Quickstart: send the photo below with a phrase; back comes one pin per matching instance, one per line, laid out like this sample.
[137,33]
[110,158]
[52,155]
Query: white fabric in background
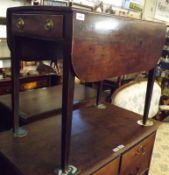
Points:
[132,98]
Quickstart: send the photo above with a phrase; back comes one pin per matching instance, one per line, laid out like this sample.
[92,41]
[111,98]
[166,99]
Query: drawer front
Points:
[136,161]
[109,169]
[49,26]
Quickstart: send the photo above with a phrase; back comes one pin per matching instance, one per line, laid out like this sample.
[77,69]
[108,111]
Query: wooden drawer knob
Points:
[20,23]
[141,150]
[49,25]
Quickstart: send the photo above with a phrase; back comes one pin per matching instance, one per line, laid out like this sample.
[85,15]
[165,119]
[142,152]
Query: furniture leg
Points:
[99,92]
[150,84]
[18,132]
[99,95]
[67,107]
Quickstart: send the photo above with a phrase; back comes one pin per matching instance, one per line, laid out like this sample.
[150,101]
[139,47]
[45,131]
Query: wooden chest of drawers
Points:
[94,138]
[134,161]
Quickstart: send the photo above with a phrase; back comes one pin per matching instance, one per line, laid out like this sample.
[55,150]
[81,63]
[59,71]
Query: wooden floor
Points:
[39,103]
[95,133]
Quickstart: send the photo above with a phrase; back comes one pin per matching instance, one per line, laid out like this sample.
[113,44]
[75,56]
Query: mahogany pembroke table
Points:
[93,47]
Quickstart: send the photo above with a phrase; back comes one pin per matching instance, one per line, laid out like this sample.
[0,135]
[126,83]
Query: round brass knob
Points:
[141,150]
[20,23]
[49,25]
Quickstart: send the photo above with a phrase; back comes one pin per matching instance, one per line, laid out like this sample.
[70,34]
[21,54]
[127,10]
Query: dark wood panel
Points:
[95,133]
[110,169]
[137,160]
[114,45]
[36,103]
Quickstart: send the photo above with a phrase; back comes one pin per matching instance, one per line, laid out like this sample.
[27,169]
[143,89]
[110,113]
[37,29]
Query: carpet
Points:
[160,157]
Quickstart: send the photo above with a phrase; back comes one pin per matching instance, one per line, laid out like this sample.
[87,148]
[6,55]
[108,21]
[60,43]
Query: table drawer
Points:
[110,168]
[136,160]
[48,26]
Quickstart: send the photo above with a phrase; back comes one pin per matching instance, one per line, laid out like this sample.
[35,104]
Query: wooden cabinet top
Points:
[95,133]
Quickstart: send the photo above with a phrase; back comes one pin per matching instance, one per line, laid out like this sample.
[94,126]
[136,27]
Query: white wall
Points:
[149,10]
[4,4]
[4,51]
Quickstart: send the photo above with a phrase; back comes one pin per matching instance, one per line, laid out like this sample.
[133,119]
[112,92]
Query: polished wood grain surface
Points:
[94,134]
[36,103]
[114,45]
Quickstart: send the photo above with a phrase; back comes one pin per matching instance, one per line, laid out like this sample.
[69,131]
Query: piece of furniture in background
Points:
[163,78]
[131,96]
[110,85]
[164,61]
[30,77]
[30,82]
[43,102]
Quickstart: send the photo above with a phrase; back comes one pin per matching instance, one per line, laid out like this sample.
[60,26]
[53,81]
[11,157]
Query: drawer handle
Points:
[20,23]
[135,172]
[49,25]
[141,150]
